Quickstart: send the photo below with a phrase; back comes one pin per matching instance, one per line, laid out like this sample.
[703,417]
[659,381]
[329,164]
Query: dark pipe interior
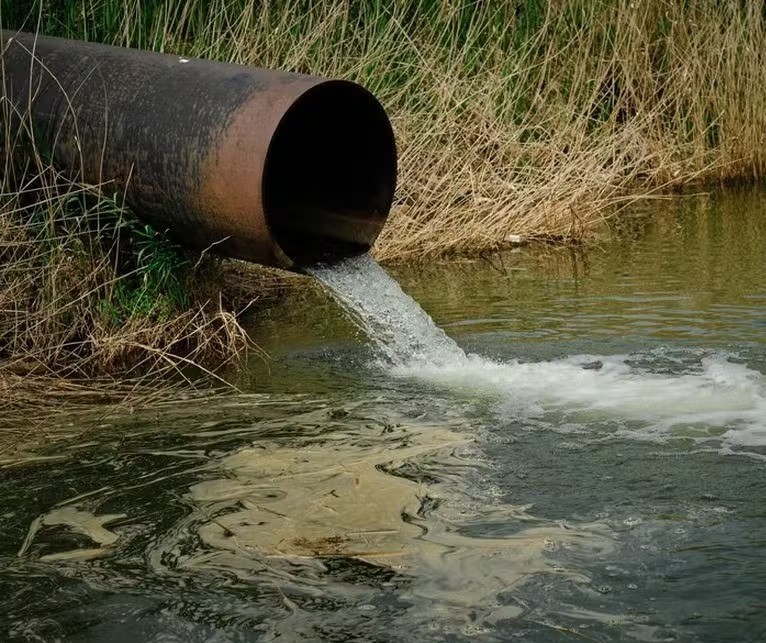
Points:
[330,174]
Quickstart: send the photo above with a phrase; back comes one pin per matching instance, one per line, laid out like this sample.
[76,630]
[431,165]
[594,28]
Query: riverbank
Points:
[525,118]
[95,306]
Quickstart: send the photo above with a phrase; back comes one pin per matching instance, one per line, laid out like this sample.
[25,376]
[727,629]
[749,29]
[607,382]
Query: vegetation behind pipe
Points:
[526,117]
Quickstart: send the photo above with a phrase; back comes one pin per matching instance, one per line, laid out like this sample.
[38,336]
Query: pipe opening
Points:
[330,174]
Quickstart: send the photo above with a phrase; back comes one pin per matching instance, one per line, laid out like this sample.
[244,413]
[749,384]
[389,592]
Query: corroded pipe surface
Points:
[277,168]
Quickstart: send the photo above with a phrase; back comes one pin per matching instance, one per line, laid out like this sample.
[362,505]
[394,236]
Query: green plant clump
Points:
[88,291]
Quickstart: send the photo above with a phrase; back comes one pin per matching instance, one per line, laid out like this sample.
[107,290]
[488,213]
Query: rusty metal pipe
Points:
[273,167]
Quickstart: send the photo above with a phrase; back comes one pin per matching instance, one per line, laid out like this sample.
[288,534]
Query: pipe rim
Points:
[329,175]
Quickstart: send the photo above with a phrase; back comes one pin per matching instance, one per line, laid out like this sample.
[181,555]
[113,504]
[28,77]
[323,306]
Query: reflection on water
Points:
[345,497]
[592,470]
[77,521]
[692,274]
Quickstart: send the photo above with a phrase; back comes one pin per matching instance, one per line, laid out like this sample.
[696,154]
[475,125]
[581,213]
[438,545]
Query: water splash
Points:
[717,399]
[714,392]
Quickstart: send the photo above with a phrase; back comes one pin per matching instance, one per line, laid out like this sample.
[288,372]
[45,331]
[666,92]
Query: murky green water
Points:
[596,471]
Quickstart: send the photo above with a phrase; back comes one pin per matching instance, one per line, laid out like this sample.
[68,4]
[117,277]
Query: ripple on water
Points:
[338,515]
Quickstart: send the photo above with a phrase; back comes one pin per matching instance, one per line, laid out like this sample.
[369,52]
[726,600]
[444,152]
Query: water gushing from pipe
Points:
[401,332]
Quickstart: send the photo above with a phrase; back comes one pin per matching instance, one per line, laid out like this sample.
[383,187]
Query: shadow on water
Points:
[590,469]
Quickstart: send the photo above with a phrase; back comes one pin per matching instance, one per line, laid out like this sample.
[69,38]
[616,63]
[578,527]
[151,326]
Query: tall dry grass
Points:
[514,117]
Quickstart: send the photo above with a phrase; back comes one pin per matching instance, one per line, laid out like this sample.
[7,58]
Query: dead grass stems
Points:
[530,118]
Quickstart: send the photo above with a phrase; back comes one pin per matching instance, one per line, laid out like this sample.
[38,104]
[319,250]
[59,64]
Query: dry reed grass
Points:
[524,117]
[520,117]
[546,139]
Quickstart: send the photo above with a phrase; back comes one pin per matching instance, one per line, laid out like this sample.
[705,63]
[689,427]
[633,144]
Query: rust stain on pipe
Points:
[273,167]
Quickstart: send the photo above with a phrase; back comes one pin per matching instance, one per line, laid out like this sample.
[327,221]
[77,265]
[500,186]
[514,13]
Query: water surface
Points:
[586,462]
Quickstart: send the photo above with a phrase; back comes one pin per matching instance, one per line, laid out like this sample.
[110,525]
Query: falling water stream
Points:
[399,329]
[574,449]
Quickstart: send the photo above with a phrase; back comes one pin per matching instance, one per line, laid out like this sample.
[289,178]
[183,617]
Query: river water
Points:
[586,461]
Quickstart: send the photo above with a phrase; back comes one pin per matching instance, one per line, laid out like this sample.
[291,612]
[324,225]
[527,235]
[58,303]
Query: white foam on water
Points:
[722,395]
[719,399]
